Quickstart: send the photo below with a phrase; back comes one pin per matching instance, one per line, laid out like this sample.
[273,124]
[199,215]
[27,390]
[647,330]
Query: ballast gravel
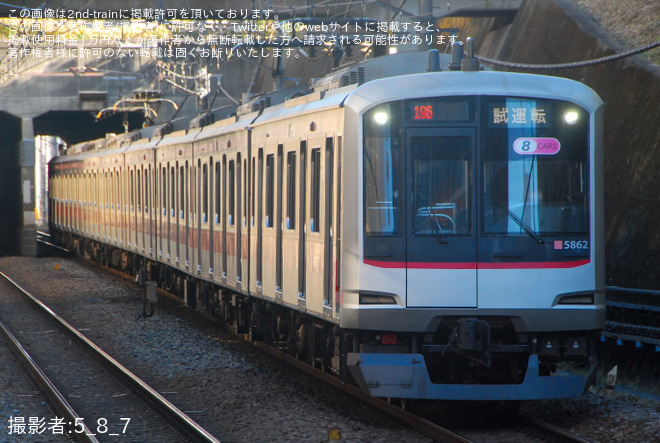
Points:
[241,395]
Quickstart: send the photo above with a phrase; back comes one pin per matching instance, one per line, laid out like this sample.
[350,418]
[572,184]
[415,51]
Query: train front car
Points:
[478,248]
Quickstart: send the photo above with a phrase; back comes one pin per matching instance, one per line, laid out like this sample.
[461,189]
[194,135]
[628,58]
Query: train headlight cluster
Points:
[381,118]
[571,117]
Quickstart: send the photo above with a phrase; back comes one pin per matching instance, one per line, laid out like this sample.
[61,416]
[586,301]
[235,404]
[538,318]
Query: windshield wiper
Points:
[521,223]
[434,220]
[437,227]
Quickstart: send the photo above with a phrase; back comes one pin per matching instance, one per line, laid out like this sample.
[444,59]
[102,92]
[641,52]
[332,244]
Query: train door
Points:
[260,214]
[302,211]
[173,236]
[252,219]
[180,224]
[208,213]
[328,276]
[201,183]
[132,226]
[162,213]
[225,217]
[114,206]
[149,203]
[191,218]
[217,226]
[290,223]
[139,224]
[315,227]
[239,220]
[245,216]
[441,252]
[278,221]
[125,205]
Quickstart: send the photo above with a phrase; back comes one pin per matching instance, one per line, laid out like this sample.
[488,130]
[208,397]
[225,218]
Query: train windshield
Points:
[499,166]
[382,164]
[535,168]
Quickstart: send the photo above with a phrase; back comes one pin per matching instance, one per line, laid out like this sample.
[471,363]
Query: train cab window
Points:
[315,191]
[381,170]
[441,177]
[535,167]
[291,190]
[270,189]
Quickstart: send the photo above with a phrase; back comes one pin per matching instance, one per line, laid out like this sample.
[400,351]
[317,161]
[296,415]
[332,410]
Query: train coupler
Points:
[471,339]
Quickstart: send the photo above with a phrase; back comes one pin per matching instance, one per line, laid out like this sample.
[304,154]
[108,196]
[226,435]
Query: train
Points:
[424,231]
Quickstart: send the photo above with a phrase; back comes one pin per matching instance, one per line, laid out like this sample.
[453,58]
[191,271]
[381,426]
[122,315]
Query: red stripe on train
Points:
[439,265]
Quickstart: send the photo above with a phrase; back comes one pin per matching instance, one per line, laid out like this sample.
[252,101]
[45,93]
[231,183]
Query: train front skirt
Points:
[406,376]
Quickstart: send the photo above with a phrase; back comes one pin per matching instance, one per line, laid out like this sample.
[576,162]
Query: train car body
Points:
[437,235]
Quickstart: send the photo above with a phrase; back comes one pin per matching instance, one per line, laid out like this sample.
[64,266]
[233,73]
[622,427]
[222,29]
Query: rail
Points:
[56,399]
[184,423]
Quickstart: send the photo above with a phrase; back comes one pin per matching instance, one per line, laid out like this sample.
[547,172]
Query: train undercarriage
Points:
[461,360]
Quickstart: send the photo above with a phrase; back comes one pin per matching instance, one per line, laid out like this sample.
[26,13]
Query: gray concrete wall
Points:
[11,221]
[554,31]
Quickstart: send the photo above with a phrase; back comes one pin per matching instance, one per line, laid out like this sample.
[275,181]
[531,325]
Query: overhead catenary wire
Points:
[570,65]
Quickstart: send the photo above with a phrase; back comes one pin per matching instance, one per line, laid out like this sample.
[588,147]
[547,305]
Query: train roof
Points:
[461,83]
[359,86]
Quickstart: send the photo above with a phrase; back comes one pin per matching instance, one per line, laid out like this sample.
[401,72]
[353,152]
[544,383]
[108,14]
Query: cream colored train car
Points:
[431,235]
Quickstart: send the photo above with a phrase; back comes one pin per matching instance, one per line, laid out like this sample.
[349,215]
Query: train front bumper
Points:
[406,376]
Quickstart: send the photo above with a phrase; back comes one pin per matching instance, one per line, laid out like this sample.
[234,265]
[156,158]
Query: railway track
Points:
[515,427]
[46,247]
[93,396]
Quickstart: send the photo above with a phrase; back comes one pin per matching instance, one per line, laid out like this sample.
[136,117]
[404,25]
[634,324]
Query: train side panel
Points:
[416,241]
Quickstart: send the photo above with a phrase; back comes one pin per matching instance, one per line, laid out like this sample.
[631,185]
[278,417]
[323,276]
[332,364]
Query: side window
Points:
[205,192]
[217,193]
[132,191]
[118,194]
[244,192]
[253,193]
[182,192]
[163,197]
[270,191]
[291,190]
[138,188]
[315,188]
[172,191]
[147,189]
[231,191]
[193,187]
[381,171]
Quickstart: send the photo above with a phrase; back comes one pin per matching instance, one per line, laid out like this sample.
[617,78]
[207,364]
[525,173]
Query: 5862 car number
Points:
[572,245]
